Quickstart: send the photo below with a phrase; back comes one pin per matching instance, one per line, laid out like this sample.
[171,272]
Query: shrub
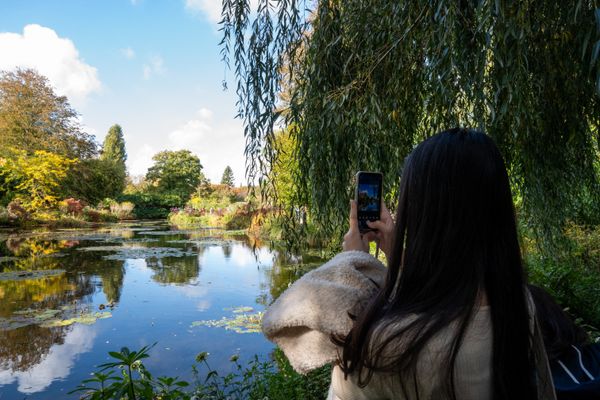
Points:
[4,217]
[149,205]
[239,217]
[71,206]
[17,211]
[572,276]
[126,377]
[89,214]
[122,210]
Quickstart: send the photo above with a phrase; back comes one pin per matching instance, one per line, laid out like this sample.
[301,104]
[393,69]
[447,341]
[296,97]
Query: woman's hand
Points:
[353,240]
[385,230]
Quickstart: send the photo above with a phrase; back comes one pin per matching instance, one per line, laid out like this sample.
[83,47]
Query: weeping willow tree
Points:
[361,82]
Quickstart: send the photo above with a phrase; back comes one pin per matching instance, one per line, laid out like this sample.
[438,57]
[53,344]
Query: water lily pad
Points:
[149,252]
[204,242]
[163,233]
[110,248]
[23,275]
[87,319]
[239,323]
[48,318]
[241,309]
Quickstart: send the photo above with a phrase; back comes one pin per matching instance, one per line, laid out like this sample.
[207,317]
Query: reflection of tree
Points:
[286,269]
[17,295]
[226,251]
[110,272]
[176,270]
[33,253]
[112,282]
[26,346]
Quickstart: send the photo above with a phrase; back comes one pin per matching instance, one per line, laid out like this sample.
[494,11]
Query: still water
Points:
[134,284]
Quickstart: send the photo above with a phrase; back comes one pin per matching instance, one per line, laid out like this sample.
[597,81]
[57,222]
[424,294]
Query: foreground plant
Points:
[127,378]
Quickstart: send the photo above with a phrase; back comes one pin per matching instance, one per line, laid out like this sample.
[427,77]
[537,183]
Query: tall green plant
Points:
[227,178]
[113,152]
[177,173]
[366,81]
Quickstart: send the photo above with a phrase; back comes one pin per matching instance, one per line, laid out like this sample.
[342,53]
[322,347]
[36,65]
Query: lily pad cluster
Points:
[22,275]
[48,318]
[129,252]
[244,320]
[204,242]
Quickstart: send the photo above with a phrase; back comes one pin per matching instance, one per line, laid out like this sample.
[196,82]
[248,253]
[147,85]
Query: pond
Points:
[67,297]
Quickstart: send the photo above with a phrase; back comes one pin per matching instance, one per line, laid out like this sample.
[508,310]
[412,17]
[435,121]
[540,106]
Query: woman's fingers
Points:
[385,213]
[371,236]
[378,225]
[353,215]
[353,239]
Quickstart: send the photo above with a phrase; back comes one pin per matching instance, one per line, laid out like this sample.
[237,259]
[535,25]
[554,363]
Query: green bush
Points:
[4,217]
[149,205]
[572,275]
[238,216]
[124,210]
[126,377]
[92,215]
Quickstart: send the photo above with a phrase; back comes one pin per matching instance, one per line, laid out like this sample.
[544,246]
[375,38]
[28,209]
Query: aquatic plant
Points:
[128,378]
[243,321]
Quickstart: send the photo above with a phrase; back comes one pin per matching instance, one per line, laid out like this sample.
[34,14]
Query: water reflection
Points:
[155,281]
[170,270]
[55,363]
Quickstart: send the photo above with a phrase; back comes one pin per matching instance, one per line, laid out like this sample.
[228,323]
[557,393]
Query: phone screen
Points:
[368,197]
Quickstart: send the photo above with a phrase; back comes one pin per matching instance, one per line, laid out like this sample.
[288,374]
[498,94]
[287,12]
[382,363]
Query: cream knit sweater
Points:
[303,318]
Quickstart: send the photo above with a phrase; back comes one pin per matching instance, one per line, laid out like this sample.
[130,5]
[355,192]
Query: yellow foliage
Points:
[38,176]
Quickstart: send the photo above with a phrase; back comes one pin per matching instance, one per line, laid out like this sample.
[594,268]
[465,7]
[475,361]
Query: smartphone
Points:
[368,198]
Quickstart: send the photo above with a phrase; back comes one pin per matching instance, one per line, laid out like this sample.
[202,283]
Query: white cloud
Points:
[193,133]
[128,53]
[140,160]
[55,57]
[55,365]
[217,143]
[155,66]
[211,8]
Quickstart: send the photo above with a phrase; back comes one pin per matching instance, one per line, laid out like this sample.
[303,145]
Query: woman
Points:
[451,319]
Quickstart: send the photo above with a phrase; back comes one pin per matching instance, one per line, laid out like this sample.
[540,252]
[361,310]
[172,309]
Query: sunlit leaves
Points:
[37,177]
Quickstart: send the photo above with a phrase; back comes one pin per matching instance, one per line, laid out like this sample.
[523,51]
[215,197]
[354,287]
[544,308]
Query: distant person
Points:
[450,318]
[575,362]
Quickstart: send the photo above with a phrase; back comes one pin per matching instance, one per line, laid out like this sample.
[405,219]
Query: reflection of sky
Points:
[56,365]
[149,311]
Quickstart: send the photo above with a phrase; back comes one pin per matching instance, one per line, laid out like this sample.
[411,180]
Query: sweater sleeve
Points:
[303,318]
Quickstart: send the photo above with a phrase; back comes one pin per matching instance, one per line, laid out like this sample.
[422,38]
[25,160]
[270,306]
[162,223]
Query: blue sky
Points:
[152,66]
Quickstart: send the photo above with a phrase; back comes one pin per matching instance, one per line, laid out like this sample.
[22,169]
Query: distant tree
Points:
[37,178]
[176,173]
[113,147]
[33,117]
[94,179]
[113,152]
[227,178]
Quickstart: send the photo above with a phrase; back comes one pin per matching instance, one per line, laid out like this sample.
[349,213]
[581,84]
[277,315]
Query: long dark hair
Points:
[455,240]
